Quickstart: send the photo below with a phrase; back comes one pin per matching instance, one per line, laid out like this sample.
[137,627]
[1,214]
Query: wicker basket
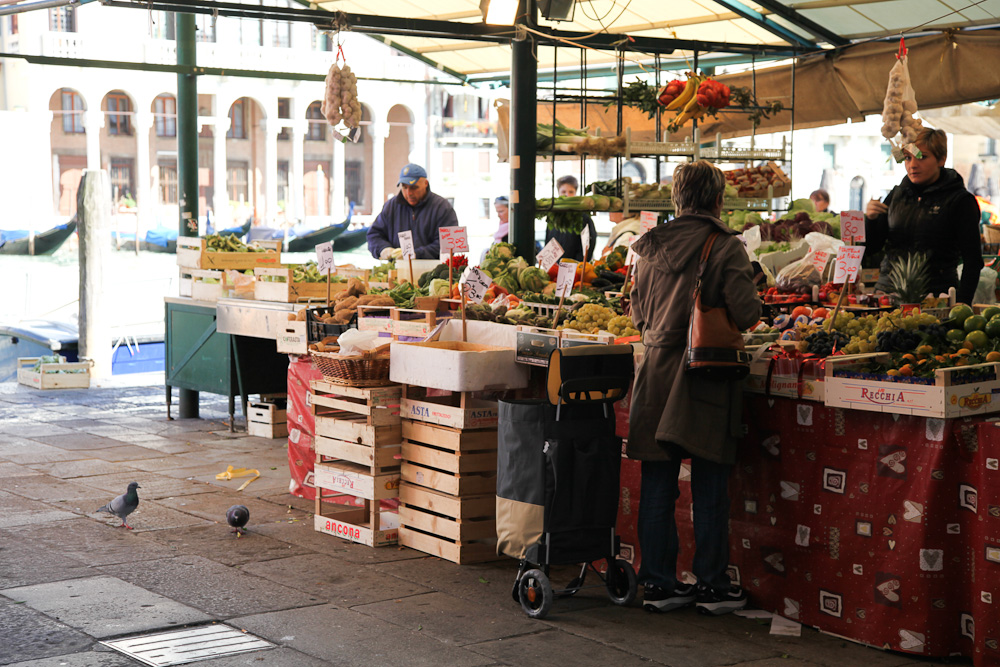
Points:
[370,369]
[991,233]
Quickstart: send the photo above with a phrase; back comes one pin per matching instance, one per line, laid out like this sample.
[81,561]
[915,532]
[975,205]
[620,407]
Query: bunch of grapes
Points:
[899,340]
[590,318]
[824,343]
[622,325]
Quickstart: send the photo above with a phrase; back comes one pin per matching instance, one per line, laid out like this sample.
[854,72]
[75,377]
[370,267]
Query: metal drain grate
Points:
[183,646]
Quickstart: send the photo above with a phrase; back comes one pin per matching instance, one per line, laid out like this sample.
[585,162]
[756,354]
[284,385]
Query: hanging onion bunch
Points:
[341,100]
[898,109]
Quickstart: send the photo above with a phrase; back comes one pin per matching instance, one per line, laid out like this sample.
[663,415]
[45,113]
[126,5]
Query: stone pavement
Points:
[69,578]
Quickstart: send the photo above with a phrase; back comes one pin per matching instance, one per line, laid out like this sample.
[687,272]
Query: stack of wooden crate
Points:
[448,490]
[358,434]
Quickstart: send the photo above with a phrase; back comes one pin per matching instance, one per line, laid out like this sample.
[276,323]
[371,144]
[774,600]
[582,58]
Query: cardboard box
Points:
[456,366]
[951,395]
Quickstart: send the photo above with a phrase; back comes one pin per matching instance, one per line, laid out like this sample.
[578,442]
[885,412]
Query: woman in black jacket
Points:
[931,212]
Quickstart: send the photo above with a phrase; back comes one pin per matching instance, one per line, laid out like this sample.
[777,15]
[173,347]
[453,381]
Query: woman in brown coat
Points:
[676,415]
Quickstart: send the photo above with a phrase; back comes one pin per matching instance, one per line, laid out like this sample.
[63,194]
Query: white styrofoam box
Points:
[775,261]
[420,267]
[484,333]
[456,366]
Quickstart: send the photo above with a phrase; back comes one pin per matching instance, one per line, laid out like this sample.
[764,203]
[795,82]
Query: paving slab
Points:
[36,452]
[348,639]
[213,506]
[194,456]
[105,606]
[121,452]
[93,658]
[663,638]
[75,440]
[15,470]
[153,487]
[18,511]
[344,584]
[276,657]
[826,650]
[212,588]
[90,542]
[79,423]
[551,648]
[451,620]
[150,516]
[115,431]
[45,488]
[216,542]
[23,564]
[26,634]
[82,468]
[35,430]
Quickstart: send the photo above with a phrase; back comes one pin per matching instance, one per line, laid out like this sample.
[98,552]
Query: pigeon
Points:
[124,504]
[238,516]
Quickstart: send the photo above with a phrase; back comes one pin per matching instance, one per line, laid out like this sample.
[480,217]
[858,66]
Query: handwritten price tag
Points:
[848,263]
[647,220]
[475,283]
[324,256]
[550,254]
[406,245]
[852,226]
[565,278]
[585,240]
[454,239]
[820,258]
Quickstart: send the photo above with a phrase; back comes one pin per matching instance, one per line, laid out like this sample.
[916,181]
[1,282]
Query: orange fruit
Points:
[892,371]
[961,362]
[961,353]
[993,356]
[906,370]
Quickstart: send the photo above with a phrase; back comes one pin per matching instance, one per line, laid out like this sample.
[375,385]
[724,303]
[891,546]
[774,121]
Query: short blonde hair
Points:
[935,141]
[697,186]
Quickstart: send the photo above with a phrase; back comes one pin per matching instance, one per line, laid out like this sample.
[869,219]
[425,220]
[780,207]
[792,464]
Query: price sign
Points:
[585,239]
[324,256]
[820,258]
[565,278]
[647,220]
[475,283]
[454,239]
[848,263]
[550,254]
[852,226]
[632,256]
[406,245]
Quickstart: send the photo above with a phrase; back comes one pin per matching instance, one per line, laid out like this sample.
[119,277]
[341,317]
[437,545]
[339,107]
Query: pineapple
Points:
[908,277]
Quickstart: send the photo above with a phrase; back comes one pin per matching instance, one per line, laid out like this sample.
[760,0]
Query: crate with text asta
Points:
[358,435]
[447,491]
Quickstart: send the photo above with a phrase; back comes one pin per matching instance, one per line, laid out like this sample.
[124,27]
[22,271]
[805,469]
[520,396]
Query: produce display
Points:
[304,273]
[754,181]
[800,219]
[559,137]
[341,100]
[230,243]
[380,274]
[568,214]
[693,99]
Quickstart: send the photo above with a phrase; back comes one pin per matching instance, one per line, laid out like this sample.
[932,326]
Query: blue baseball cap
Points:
[411,174]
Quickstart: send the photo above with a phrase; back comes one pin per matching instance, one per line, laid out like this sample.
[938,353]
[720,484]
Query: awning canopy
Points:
[804,25]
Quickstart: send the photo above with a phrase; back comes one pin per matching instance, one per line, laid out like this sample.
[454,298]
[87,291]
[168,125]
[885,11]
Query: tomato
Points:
[821,312]
[801,310]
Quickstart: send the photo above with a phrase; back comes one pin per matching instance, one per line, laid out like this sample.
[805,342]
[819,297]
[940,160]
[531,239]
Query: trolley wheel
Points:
[622,583]
[535,593]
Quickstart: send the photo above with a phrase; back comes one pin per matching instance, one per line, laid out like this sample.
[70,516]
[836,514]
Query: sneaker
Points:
[716,603]
[655,598]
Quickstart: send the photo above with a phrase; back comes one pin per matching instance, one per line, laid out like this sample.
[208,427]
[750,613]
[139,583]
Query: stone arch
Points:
[245,155]
[398,144]
[69,145]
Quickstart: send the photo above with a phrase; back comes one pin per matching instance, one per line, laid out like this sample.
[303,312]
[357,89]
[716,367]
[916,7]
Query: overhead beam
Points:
[759,19]
[797,19]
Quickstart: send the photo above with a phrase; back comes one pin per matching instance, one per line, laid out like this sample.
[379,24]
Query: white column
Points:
[338,207]
[271,130]
[220,198]
[145,196]
[296,177]
[418,145]
[93,120]
[378,131]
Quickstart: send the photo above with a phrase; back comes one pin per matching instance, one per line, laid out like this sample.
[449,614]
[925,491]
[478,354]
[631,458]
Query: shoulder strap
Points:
[705,252]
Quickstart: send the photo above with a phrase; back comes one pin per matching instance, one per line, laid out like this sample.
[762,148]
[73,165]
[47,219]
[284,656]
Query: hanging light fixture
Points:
[557,10]
[498,12]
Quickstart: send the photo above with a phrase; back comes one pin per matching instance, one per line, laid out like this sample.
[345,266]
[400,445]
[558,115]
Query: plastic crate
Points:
[317,330]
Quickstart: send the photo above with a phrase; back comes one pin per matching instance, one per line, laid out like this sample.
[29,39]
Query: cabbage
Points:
[533,279]
[506,281]
[439,287]
[492,265]
[802,205]
[516,266]
[503,251]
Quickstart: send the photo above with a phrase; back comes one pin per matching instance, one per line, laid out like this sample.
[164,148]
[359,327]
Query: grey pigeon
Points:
[124,504]
[238,516]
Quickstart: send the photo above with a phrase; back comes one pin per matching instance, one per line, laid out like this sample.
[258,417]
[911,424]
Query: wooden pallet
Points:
[461,530]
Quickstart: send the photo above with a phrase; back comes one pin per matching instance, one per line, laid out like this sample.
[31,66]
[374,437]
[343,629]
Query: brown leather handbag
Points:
[715,347]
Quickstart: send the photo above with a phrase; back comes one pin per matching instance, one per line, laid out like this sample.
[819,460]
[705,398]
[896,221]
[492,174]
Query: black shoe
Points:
[716,603]
[655,598]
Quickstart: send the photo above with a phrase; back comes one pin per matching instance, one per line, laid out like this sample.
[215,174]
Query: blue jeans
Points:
[658,527]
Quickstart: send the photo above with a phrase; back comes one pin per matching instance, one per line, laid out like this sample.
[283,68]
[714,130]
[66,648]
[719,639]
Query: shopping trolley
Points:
[558,466]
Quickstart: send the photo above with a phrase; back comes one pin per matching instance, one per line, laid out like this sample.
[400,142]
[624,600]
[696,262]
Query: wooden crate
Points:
[459,410]
[199,287]
[455,484]
[354,480]
[359,426]
[292,338]
[413,324]
[950,396]
[377,460]
[49,376]
[267,420]
[356,524]
[192,253]
[461,530]
[289,291]
[451,439]
[375,318]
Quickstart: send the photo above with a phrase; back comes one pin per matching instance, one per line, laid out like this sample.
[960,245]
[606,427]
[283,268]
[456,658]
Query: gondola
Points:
[351,239]
[308,242]
[45,243]
[160,239]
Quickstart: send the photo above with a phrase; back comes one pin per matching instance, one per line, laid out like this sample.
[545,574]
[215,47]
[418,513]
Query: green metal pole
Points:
[524,117]
[187,129]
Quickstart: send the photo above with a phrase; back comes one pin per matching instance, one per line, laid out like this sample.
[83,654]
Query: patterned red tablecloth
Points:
[881,528]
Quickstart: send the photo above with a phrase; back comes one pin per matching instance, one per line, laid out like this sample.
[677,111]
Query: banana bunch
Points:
[686,103]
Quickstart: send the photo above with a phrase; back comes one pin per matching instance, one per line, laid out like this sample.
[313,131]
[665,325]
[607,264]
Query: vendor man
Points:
[415,209]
